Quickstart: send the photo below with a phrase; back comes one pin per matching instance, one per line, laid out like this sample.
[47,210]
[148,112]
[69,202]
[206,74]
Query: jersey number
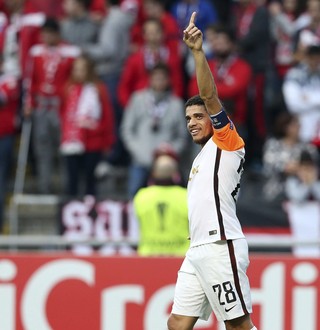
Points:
[228,295]
[234,194]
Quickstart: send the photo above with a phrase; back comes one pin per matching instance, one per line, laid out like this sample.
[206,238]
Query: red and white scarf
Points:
[82,111]
[245,20]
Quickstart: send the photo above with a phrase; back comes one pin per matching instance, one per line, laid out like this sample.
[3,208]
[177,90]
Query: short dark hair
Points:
[195,100]
[223,29]
[227,31]
[153,20]
[51,24]
[112,2]
[313,50]
[282,121]
[159,2]
[85,3]
[160,67]
[306,158]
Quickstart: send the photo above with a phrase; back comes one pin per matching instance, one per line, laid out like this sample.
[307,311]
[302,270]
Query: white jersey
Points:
[213,187]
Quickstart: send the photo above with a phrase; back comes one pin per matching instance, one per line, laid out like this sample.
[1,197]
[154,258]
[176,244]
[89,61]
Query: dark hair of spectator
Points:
[159,2]
[223,29]
[51,25]
[112,2]
[306,158]
[283,120]
[313,50]
[301,6]
[85,3]
[153,20]
[160,67]
[194,100]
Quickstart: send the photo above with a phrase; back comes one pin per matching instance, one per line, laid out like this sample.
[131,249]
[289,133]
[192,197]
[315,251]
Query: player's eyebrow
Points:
[195,114]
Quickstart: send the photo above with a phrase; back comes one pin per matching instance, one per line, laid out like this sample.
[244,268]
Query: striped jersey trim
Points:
[216,193]
[236,276]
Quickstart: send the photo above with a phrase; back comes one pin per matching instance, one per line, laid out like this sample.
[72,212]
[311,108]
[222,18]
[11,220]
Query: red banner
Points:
[63,292]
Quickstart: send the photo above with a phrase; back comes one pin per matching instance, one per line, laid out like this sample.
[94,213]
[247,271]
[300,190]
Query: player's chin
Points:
[201,140]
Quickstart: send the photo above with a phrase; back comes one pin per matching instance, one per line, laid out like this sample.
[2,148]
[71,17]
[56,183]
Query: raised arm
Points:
[192,37]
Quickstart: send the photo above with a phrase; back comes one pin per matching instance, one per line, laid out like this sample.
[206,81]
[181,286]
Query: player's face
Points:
[199,124]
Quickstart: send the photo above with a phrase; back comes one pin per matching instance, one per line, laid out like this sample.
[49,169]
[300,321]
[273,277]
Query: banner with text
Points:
[63,292]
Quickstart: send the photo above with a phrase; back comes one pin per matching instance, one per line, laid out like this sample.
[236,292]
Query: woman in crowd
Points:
[281,154]
[87,125]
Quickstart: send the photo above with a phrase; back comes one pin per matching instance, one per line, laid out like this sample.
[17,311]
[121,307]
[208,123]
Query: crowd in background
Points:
[104,83]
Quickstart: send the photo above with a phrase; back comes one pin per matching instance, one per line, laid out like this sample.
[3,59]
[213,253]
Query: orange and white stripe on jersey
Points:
[225,134]
[227,139]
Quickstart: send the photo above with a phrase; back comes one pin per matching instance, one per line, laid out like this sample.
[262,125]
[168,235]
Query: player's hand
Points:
[192,36]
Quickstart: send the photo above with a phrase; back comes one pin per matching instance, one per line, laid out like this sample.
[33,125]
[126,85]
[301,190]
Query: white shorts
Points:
[213,277]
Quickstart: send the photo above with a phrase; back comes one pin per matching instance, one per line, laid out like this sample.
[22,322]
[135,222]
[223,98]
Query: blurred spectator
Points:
[109,54]
[283,18]
[303,205]
[161,211]
[98,10]
[20,29]
[135,72]
[77,27]
[309,33]
[87,126]
[206,13]
[51,8]
[251,21]
[301,93]
[2,6]
[283,29]
[49,68]
[209,37]
[304,16]
[153,117]
[232,76]
[281,154]
[155,9]
[9,94]
[223,9]
[112,48]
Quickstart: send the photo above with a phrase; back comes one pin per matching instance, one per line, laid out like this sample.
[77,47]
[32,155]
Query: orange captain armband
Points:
[225,134]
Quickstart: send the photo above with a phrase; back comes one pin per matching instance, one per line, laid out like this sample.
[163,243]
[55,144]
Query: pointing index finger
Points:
[192,18]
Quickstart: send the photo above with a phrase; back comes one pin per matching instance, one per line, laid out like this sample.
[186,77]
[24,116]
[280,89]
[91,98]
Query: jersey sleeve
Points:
[225,135]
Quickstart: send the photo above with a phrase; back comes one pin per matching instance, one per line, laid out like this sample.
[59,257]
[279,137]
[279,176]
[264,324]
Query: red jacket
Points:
[100,138]
[9,95]
[48,70]
[135,73]
[98,7]
[232,83]
[27,30]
